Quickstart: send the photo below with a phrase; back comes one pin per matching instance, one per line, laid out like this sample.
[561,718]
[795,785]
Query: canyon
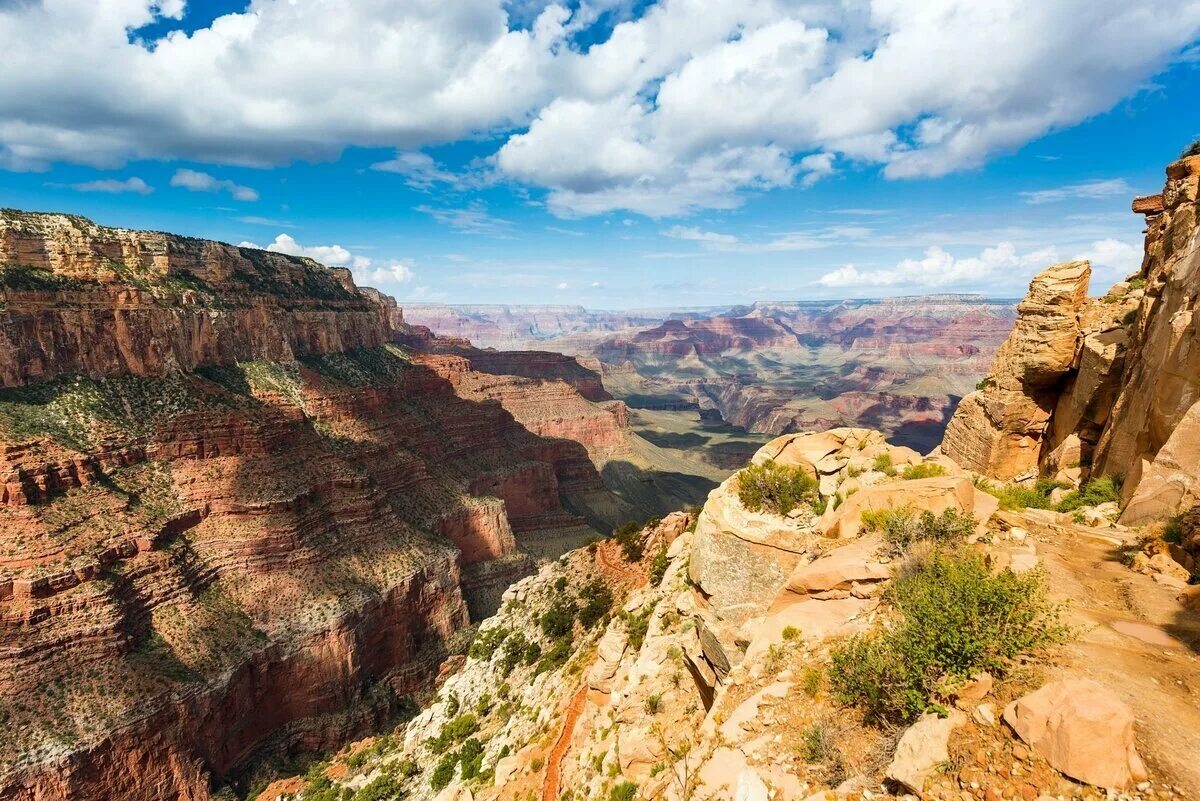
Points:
[265,534]
[247,508]
[740,650]
[898,364]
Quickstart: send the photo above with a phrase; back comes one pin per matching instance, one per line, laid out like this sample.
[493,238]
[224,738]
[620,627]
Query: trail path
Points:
[554,761]
[1136,639]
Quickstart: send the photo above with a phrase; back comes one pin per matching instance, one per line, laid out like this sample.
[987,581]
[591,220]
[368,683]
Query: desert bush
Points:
[901,527]
[556,657]
[658,567]
[597,601]
[443,774]
[559,619]
[636,627]
[653,704]
[625,791]
[383,788]
[486,643]
[471,757]
[629,535]
[955,619]
[773,487]
[1191,150]
[883,464]
[1015,496]
[923,470]
[1093,493]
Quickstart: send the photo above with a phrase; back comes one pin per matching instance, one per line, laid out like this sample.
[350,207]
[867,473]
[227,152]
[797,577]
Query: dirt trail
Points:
[1136,639]
[554,760]
[608,557]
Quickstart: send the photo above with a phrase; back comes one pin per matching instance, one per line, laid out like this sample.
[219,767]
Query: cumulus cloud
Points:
[114,187]
[938,269]
[1088,190]
[1112,259]
[364,269]
[694,234]
[686,104]
[195,181]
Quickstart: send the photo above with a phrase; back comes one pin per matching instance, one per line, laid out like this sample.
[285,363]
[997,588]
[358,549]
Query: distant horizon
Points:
[612,154]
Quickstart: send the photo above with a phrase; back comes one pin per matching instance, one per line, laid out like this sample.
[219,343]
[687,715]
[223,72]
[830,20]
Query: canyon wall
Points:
[1107,386]
[235,513]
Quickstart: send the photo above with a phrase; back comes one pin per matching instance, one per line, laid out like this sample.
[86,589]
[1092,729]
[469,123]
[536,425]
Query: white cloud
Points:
[938,269]
[195,181]
[694,234]
[689,106]
[471,220]
[1112,260]
[420,169]
[562,285]
[365,270]
[114,187]
[1088,190]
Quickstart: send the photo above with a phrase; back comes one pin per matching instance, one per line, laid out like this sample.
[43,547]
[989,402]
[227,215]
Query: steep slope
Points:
[236,516]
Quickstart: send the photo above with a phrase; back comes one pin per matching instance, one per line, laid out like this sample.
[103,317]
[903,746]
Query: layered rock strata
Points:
[233,511]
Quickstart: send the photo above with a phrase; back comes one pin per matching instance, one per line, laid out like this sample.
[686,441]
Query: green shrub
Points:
[383,788]
[455,731]
[658,567]
[883,463]
[1173,530]
[625,791]
[559,619]
[983,384]
[471,757]
[443,774]
[556,657]
[636,626]
[900,527]
[773,487]
[1191,150]
[486,643]
[1136,284]
[1014,496]
[1093,493]
[629,535]
[923,470]
[654,704]
[956,619]
[597,601]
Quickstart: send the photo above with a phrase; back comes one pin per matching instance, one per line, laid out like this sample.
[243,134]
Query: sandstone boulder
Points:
[841,568]
[1082,729]
[924,746]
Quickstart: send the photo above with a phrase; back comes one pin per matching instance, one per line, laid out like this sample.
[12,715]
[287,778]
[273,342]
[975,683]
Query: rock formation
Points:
[1103,387]
[235,512]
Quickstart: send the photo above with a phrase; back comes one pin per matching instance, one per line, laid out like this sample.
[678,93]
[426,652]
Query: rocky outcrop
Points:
[998,430]
[79,298]
[1108,386]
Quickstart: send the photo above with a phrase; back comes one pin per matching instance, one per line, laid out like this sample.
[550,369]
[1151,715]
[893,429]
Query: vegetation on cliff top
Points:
[773,487]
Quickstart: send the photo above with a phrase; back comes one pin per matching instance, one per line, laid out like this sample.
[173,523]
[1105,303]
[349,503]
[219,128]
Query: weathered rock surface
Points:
[1110,386]
[1082,729]
[998,431]
[922,748]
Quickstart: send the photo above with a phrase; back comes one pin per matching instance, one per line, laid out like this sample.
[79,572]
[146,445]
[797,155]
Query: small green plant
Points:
[636,627]
[597,601]
[1130,317]
[382,788]
[811,679]
[559,619]
[1095,492]
[983,384]
[658,567]
[773,487]
[883,464]
[790,633]
[900,527]
[923,470]
[654,704]
[818,743]
[443,774]
[956,619]
[1191,150]
[1136,284]
[1015,496]
[1173,530]
[625,791]
[629,535]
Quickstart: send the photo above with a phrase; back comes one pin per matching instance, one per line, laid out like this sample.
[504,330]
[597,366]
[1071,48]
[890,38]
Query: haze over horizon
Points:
[611,154]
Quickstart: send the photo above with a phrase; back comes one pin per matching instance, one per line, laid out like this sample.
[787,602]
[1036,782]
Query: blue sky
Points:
[610,154]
